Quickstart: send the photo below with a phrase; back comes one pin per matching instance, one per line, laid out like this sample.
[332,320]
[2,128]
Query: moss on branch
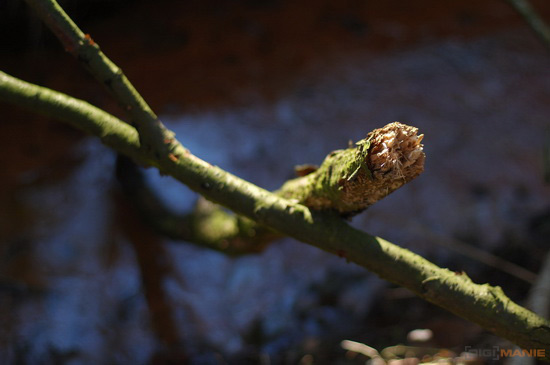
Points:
[348,181]
[351,180]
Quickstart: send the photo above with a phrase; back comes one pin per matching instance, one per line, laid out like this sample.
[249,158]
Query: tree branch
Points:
[351,180]
[153,134]
[208,225]
[482,304]
[347,182]
[535,22]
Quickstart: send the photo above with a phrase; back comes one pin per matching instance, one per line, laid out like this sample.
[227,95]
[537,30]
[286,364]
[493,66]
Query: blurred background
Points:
[257,87]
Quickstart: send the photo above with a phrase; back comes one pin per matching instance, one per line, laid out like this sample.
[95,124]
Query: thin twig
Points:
[153,135]
[533,19]
[208,225]
[539,302]
[539,296]
[360,348]
[477,254]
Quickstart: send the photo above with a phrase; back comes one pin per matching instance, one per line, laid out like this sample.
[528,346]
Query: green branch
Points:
[347,182]
[482,304]
[153,134]
[112,131]
[208,225]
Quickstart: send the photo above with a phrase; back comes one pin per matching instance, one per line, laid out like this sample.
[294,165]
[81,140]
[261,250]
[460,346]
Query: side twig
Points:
[153,135]
[348,181]
[475,253]
[208,225]
[533,19]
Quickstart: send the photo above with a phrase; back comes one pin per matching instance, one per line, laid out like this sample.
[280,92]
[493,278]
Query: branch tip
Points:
[396,152]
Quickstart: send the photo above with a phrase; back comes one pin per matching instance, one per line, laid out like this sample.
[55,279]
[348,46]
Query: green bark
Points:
[154,137]
[483,304]
[208,225]
[347,182]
